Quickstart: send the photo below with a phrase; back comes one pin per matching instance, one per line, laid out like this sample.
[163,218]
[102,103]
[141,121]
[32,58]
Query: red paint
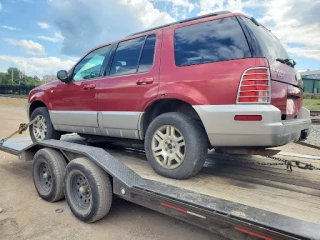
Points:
[248,117]
[204,84]
[286,90]
[130,92]
[253,233]
[173,207]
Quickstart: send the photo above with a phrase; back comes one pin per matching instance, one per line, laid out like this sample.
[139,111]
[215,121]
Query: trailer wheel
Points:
[88,190]
[176,145]
[48,172]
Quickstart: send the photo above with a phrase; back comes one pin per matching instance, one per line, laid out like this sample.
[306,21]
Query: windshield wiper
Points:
[287,61]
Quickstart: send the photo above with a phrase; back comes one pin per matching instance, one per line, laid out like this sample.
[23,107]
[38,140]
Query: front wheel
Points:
[42,129]
[176,145]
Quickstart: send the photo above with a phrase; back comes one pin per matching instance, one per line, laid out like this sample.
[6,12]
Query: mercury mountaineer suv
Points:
[217,81]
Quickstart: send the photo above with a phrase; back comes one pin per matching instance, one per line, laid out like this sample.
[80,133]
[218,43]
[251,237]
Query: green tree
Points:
[13,75]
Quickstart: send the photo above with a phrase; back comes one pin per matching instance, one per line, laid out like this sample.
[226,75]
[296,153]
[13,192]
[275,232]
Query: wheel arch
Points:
[34,105]
[161,106]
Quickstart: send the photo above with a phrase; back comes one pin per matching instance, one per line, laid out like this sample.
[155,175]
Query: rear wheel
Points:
[88,190]
[48,172]
[42,129]
[176,145]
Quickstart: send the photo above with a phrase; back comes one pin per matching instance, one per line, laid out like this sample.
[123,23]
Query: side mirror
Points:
[62,75]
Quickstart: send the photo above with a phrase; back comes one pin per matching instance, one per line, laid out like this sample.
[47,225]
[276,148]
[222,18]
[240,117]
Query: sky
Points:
[43,36]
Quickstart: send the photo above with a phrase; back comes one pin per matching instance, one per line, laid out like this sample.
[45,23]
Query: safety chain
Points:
[295,163]
[283,162]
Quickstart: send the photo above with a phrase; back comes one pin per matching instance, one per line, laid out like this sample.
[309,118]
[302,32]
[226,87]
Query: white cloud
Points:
[34,65]
[28,46]
[304,52]
[178,8]
[294,22]
[209,6]
[57,37]
[43,25]
[0,6]
[88,25]
[10,28]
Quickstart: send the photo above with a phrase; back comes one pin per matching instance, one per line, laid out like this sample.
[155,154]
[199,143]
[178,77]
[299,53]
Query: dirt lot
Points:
[25,216]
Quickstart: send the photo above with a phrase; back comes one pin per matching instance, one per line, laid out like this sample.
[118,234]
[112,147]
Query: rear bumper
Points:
[224,131]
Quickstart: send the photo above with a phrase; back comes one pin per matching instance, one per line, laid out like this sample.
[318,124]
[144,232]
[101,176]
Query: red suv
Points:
[220,80]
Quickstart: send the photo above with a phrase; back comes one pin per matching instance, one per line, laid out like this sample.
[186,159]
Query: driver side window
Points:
[90,66]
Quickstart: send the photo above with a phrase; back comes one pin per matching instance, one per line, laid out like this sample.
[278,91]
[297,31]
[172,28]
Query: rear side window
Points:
[126,57]
[147,55]
[213,41]
[269,46]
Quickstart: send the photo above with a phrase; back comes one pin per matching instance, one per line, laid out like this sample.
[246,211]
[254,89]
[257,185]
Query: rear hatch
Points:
[286,83]
[286,89]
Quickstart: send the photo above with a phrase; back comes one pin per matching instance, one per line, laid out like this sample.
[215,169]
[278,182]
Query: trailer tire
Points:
[88,190]
[50,132]
[48,173]
[186,144]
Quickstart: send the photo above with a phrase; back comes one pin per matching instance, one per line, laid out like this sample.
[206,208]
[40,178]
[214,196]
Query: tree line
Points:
[14,76]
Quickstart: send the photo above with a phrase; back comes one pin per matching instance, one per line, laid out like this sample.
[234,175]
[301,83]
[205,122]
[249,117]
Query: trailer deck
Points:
[263,200]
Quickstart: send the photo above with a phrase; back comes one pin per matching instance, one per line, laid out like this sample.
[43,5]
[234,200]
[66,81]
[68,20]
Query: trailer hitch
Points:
[22,127]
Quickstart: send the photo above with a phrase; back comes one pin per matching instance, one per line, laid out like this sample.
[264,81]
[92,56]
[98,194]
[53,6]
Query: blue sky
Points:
[43,36]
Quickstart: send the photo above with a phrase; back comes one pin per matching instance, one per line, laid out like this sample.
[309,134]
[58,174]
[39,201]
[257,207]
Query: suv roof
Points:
[186,20]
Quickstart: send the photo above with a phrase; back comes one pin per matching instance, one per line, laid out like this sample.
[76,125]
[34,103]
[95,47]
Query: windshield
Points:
[269,44]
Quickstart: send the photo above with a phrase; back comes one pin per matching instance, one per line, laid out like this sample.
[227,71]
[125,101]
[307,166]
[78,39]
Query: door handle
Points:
[89,87]
[144,81]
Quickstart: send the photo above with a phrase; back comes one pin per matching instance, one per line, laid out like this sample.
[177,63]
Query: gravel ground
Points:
[314,137]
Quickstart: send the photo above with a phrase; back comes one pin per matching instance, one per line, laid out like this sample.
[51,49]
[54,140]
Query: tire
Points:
[95,201]
[194,151]
[52,163]
[50,132]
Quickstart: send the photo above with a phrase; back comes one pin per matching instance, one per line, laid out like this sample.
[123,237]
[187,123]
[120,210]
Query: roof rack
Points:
[182,21]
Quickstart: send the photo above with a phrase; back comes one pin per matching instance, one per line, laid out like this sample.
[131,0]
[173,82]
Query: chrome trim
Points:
[119,119]
[28,109]
[74,118]
[122,124]
[113,124]
[140,125]
[78,129]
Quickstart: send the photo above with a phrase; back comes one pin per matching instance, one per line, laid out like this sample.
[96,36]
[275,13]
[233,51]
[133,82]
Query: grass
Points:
[312,104]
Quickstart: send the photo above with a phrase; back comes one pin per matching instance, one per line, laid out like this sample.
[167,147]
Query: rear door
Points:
[286,84]
[131,82]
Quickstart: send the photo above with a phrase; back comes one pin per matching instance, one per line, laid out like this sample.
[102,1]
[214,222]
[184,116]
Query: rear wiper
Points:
[287,61]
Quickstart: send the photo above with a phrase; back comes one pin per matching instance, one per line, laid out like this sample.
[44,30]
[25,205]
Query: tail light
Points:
[255,86]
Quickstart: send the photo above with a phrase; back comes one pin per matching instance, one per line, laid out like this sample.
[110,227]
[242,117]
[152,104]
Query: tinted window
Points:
[146,60]
[126,57]
[90,66]
[213,41]
[269,45]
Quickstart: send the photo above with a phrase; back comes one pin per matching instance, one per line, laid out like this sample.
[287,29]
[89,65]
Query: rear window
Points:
[269,45]
[213,41]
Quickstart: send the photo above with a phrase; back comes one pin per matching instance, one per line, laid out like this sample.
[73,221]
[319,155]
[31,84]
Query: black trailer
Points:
[255,201]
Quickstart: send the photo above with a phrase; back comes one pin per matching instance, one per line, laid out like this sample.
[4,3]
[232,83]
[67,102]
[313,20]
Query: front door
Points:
[75,106]
[131,83]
